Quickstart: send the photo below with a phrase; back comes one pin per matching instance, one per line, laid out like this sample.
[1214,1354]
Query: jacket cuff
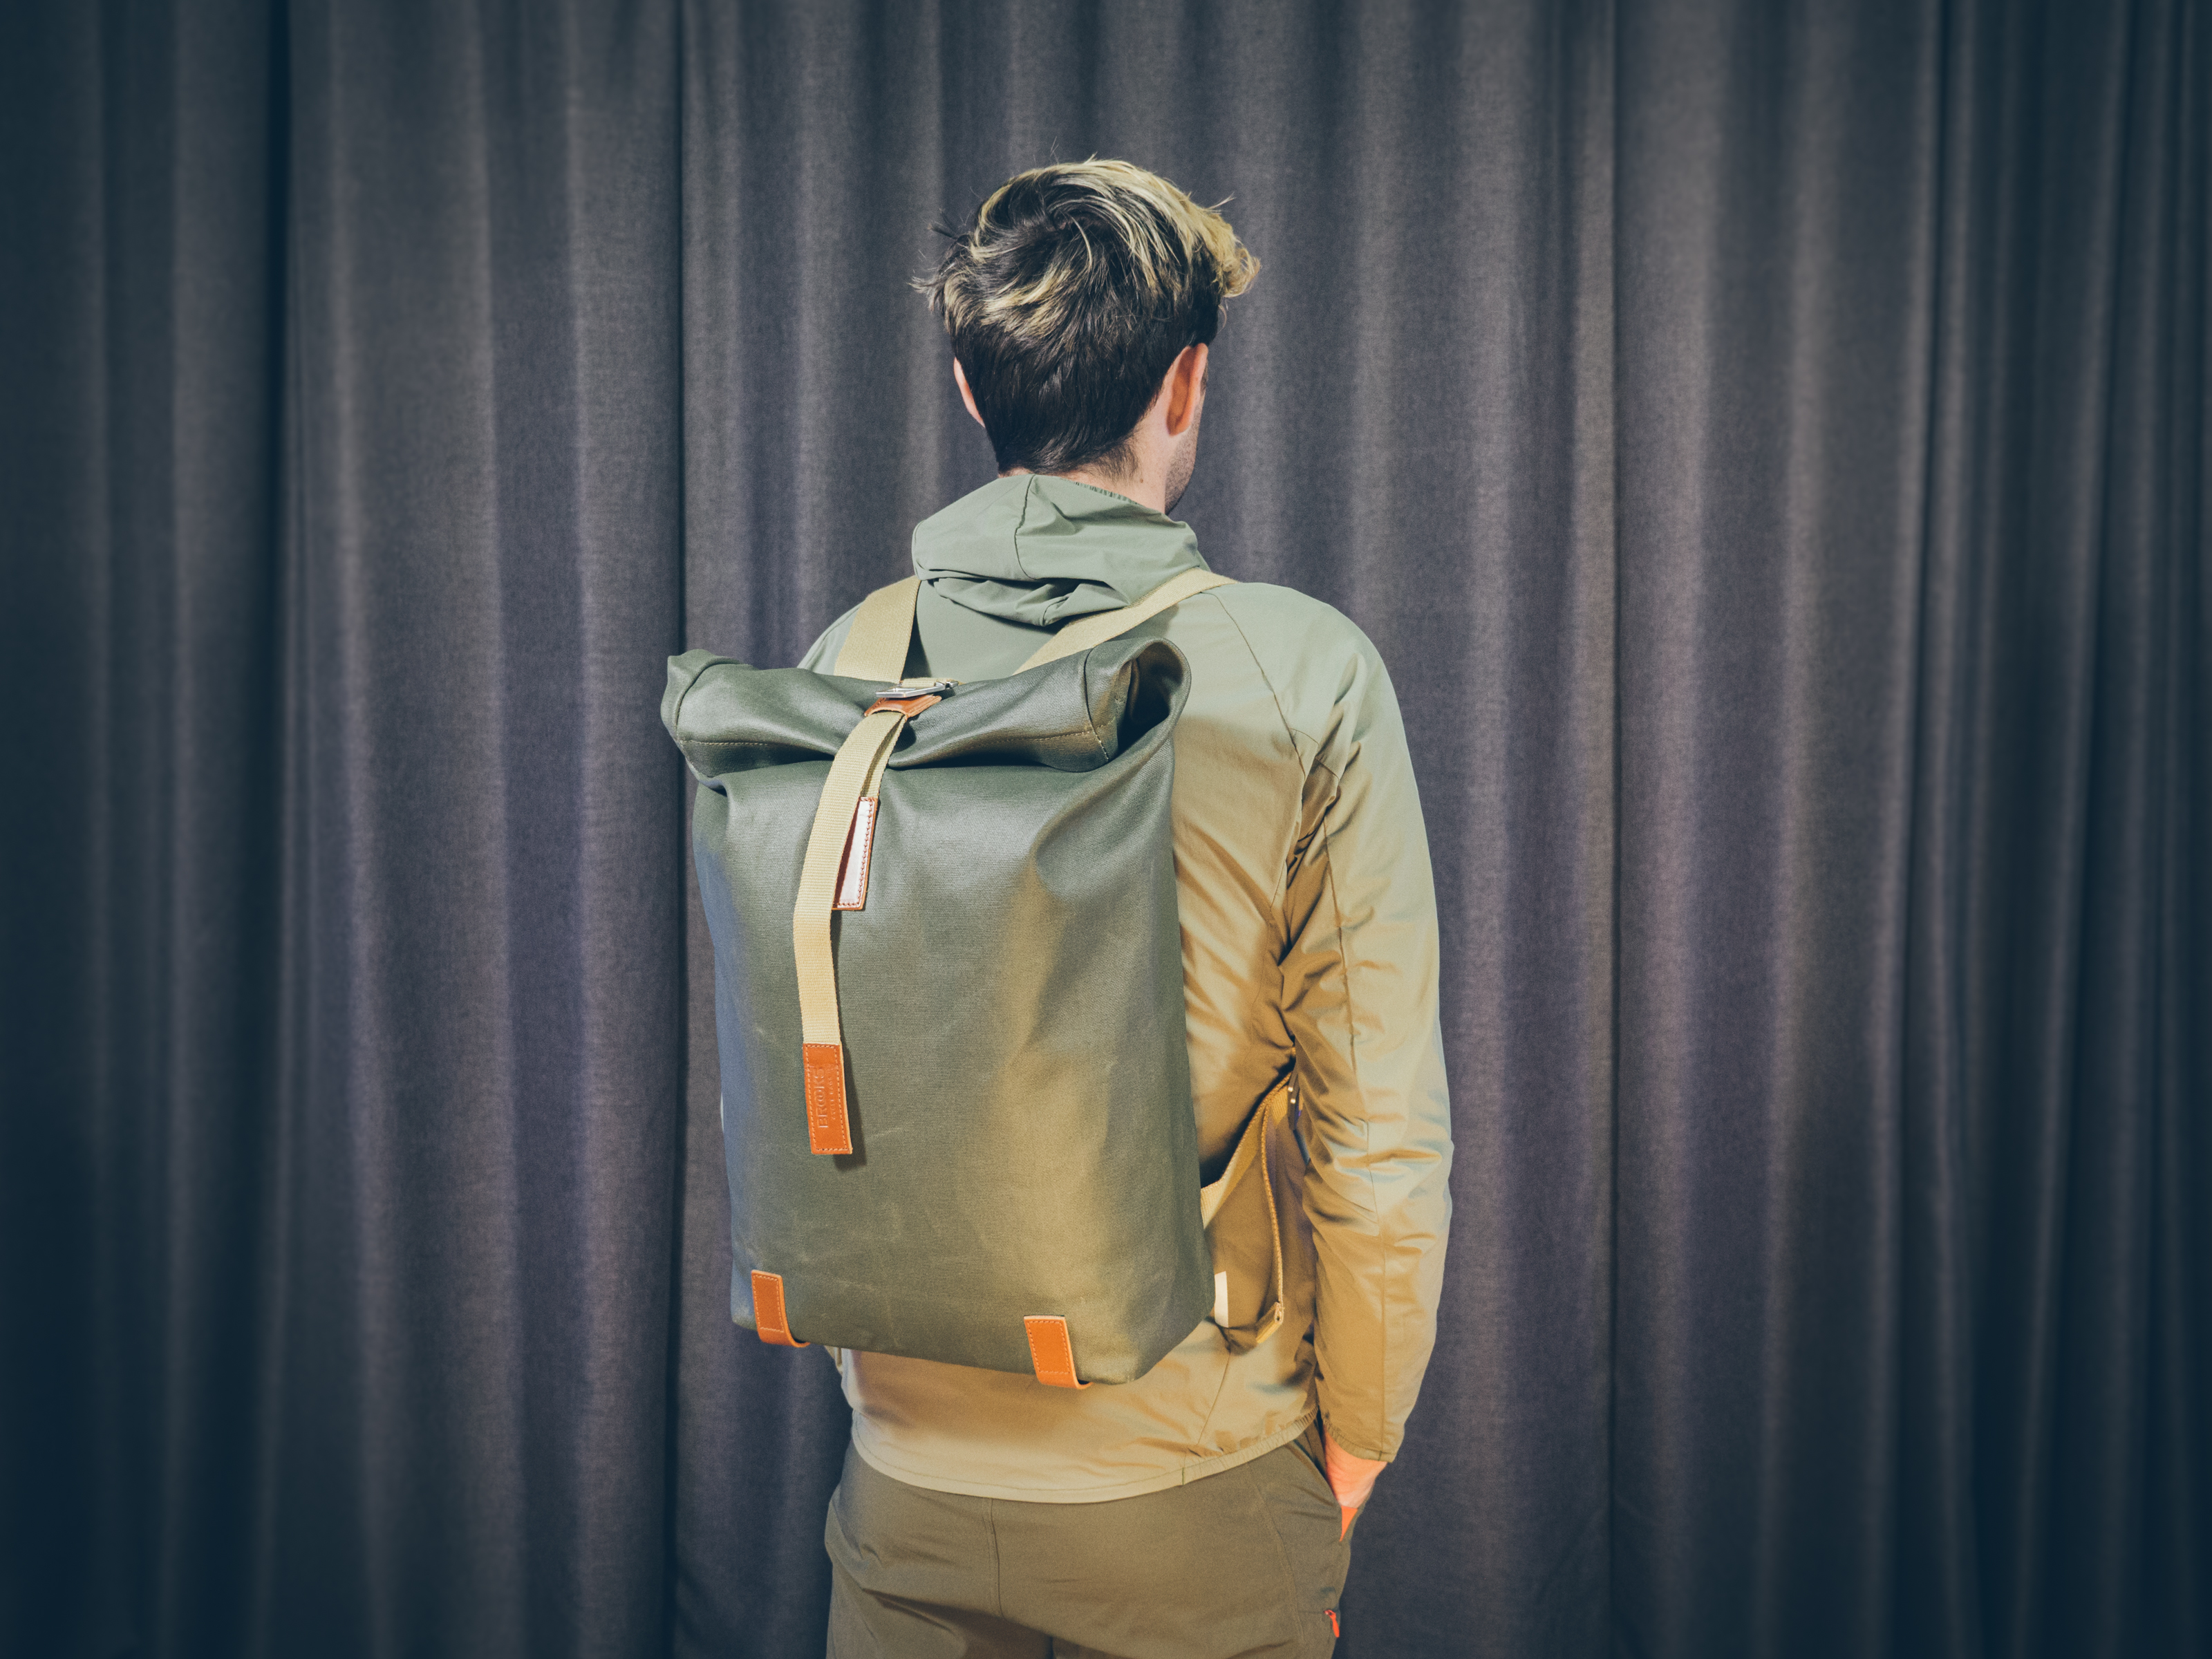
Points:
[1373,1453]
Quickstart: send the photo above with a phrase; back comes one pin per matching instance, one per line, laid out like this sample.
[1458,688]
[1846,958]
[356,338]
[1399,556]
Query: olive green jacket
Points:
[1310,937]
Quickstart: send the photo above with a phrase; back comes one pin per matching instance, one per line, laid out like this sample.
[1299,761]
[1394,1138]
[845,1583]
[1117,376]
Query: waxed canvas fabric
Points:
[1019,1089]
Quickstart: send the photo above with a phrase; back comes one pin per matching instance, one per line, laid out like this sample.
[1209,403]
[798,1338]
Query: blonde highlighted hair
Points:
[1069,295]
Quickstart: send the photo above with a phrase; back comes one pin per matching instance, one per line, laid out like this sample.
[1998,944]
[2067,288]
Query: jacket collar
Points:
[1038,549]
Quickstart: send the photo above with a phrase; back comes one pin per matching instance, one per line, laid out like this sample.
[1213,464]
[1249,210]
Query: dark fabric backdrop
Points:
[1766,440]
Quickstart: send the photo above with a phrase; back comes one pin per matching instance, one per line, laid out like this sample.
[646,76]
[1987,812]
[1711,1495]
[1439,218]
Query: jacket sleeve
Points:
[1359,997]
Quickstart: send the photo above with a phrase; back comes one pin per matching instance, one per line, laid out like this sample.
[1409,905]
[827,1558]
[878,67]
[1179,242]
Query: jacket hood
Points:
[1038,549]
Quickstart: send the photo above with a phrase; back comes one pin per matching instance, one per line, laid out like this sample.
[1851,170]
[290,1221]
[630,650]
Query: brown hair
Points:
[1066,298]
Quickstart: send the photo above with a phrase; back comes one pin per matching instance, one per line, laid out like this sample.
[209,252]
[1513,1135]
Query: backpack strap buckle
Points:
[911,699]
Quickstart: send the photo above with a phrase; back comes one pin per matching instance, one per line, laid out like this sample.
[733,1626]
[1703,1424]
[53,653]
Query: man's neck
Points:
[1134,487]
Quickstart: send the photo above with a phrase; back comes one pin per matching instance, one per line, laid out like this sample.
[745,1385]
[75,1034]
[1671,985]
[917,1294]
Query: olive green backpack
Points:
[948,989]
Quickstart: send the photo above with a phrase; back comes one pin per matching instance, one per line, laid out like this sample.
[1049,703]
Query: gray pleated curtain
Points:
[1767,443]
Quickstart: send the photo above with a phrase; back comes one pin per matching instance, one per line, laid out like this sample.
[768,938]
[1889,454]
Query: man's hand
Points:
[1351,1478]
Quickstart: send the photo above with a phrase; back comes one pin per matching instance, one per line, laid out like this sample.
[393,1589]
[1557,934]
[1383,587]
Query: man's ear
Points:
[1186,389]
[960,380]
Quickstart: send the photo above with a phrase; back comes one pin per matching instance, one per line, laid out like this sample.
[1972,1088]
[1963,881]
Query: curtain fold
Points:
[1777,206]
[1767,445]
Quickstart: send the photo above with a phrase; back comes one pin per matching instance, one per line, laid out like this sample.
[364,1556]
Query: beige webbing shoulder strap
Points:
[876,644]
[1087,631]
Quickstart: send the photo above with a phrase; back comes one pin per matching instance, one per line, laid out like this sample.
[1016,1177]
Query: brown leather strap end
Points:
[1050,1351]
[909,707]
[828,1127]
[852,873]
[769,1317]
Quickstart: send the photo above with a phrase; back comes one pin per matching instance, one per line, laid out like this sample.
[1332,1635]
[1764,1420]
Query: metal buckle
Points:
[905,693]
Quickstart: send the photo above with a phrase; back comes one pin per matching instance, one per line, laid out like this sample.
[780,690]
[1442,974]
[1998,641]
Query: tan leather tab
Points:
[852,873]
[828,1127]
[909,707]
[1050,1351]
[769,1317]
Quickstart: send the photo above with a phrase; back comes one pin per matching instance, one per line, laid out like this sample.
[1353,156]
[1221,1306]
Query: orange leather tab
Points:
[852,873]
[1050,1351]
[909,707]
[773,1324]
[828,1128]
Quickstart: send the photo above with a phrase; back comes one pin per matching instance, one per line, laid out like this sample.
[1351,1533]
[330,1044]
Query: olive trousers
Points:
[1241,1565]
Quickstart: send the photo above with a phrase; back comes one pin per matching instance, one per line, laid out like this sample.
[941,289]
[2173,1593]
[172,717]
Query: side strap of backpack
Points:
[1272,1111]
